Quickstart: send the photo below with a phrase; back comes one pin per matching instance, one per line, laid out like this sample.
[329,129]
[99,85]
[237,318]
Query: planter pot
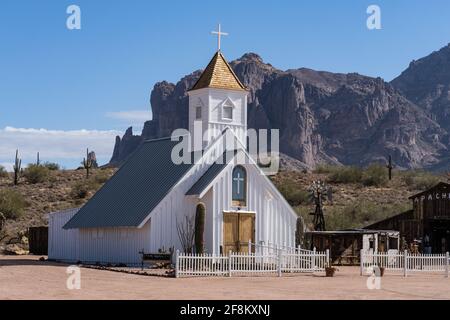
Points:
[329,271]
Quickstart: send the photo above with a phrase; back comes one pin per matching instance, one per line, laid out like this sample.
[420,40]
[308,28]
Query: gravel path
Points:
[27,278]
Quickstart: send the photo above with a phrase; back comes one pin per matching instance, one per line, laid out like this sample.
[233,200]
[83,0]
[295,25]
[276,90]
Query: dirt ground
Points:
[25,277]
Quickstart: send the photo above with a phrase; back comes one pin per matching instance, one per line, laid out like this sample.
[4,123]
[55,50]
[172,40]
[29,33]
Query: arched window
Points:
[239,186]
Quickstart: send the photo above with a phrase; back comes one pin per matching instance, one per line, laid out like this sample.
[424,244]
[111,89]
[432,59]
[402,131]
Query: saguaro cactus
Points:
[87,163]
[199,228]
[38,160]
[17,168]
[390,166]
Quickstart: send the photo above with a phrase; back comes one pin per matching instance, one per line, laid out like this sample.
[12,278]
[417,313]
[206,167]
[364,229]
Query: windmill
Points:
[319,193]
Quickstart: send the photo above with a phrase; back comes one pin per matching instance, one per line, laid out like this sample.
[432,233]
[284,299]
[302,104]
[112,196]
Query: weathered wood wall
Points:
[38,240]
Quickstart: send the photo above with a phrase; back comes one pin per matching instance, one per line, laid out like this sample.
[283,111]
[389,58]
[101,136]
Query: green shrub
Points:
[80,190]
[3,172]
[36,173]
[293,194]
[101,177]
[349,174]
[375,175]
[325,169]
[52,166]
[12,204]
[357,215]
[419,179]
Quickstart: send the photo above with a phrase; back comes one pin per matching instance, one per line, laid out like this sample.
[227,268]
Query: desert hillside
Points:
[360,196]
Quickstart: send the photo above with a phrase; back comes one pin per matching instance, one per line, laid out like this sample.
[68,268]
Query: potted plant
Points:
[330,270]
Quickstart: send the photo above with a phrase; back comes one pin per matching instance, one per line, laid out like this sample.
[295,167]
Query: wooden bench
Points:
[165,258]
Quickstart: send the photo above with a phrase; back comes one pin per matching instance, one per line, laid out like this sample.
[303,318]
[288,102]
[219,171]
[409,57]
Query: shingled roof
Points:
[134,190]
[218,74]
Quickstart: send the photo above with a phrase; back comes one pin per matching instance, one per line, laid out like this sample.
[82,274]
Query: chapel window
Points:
[239,186]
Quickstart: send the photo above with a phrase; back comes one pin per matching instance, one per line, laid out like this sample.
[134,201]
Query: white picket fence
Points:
[405,262]
[249,263]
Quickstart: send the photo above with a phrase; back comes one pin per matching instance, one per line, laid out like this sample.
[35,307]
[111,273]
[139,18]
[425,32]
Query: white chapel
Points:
[151,197]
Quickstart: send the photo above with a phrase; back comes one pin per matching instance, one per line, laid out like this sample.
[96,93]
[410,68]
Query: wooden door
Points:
[230,232]
[239,228]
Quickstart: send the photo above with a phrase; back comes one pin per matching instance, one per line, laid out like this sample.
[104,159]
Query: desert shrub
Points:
[375,175]
[52,166]
[101,177]
[349,174]
[3,172]
[293,194]
[80,190]
[419,179]
[36,173]
[357,215]
[325,169]
[12,204]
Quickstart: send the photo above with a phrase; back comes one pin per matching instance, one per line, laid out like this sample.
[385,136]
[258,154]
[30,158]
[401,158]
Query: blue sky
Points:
[64,90]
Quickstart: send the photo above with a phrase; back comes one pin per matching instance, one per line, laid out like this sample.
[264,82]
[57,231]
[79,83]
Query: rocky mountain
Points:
[426,82]
[328,117]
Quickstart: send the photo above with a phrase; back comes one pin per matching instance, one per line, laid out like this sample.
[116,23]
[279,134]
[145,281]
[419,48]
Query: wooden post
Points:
[361,264]
[177,263]
[313,260]
[229,264]
[447,264]
[405,263]
[279,263]
[250,246]
[328,258]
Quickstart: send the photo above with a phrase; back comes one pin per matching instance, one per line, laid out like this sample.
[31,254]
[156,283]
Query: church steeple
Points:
[218,74]
[218,100]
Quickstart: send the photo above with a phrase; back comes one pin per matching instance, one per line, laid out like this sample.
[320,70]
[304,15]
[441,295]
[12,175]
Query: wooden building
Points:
[345,245]
[428,223]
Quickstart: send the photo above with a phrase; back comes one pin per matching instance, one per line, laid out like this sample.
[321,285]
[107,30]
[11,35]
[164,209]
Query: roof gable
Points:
[218,74]
[440,185]
[134,190]
[212,172]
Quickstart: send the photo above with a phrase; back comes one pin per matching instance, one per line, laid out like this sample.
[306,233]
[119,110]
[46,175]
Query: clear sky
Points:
[64,90]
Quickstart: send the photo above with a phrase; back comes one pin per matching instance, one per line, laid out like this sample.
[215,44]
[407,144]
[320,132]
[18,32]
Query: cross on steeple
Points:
[219,34]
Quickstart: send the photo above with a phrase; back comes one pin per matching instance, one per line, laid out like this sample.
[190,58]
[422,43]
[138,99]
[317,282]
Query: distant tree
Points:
[12,204]
[52,166]
[36,173]
[3,172]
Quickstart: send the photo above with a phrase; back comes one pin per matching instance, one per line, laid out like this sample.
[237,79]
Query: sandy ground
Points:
[28,278]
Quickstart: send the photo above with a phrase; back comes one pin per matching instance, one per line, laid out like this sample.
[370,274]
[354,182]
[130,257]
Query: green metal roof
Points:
[134,190]
[211,173]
